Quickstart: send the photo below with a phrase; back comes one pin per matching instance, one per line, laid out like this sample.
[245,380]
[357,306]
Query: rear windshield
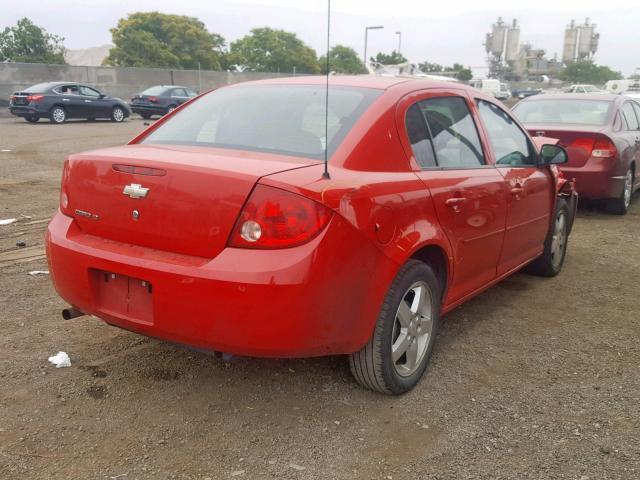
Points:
[39,88]
[157,90]
[282,119]
[582,112]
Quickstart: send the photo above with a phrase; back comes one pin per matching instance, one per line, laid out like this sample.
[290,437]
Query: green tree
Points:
[394,58]
[462,73]
[269,50]
[342,60]
[428,67]
[586,71]
[27,42]
[153,39]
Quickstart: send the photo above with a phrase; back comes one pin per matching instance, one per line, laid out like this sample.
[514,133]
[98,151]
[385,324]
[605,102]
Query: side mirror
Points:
[102,95]
[553,155]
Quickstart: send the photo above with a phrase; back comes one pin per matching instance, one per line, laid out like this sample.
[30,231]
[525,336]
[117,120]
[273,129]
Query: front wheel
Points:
[58,115]
[620,205]
[549,264]
[396,356]
[117,114]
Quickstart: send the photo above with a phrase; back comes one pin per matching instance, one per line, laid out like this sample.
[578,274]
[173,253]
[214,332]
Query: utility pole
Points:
[366,38]
[399,41]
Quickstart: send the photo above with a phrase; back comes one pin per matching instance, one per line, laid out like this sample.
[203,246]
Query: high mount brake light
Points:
[274,218]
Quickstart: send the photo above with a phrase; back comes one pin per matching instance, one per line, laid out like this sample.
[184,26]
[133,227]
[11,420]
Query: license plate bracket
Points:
[123,296]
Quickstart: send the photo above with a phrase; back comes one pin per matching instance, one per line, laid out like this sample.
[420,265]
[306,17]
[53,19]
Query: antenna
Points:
[326,109]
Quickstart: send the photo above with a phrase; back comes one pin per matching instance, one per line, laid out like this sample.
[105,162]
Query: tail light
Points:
[35,98]
[274,218]
[12,98]
[152,99]
[595,147]
[64,195]
[604,148]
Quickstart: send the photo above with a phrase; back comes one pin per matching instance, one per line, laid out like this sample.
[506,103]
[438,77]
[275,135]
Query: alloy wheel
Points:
[58,115]
[628,189]
[412,329]
[559,239]
[118,114]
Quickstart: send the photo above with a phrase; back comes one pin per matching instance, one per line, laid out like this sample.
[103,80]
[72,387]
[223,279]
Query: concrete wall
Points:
[120,82]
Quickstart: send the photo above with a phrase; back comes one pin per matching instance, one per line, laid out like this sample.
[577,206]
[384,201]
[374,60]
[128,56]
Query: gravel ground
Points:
[534,379]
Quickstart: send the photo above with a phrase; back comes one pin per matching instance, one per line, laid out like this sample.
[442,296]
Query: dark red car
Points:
[217,227]
[601,134]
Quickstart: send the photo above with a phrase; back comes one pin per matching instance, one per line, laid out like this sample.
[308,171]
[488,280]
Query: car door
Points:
[531,189]
[179,96]
[94,106]
[468,193]
[71,100]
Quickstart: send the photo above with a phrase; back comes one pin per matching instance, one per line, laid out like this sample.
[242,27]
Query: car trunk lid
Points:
[180,199]
[579,141]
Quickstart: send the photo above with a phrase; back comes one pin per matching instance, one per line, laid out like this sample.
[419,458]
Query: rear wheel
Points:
[396,356]
[58,115]
[146,116]
[117,114]
[32,118]
[620,205]
[549,264]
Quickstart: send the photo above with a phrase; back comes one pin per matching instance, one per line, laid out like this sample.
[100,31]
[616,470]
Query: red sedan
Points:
[218,228]
[602,136]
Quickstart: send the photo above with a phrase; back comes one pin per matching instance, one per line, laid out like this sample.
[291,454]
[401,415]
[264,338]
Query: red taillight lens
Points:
[595,147]
[64,196]
[35,98]
[12,98]
[152,99]
[274,218]
[604,148]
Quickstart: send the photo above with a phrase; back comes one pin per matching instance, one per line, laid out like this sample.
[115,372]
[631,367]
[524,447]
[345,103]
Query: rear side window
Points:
[630,116]
[443,133]
[510,144]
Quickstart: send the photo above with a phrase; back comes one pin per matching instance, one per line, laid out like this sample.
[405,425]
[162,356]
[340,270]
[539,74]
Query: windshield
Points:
[39,88]
[581,112]
[157,90]
[283,119]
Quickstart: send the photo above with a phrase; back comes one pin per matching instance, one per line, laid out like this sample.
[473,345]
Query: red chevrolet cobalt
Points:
[602,136]
[218,228]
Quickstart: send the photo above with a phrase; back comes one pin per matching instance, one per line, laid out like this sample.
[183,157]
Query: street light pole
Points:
[399,41]
[366,38]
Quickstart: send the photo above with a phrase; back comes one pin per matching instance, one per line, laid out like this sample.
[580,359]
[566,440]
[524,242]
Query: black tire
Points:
[58,115]
[373,366]
[620,205]
[32,118]
[117,114]
[146,116]
[550,263]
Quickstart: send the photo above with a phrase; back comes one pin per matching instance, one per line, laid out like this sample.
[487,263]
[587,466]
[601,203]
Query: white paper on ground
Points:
[60,360]
[7,221]
[34,273]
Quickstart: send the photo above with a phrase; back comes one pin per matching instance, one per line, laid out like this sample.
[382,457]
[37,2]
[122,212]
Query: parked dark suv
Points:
[160,100]
[59,101]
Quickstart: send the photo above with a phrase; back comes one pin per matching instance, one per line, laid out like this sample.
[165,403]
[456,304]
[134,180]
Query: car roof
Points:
[376,82]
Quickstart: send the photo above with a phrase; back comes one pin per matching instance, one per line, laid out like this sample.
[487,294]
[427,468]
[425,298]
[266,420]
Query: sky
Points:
[437,31]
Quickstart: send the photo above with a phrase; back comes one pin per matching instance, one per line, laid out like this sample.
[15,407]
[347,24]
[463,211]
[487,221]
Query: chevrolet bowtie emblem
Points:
[135,190]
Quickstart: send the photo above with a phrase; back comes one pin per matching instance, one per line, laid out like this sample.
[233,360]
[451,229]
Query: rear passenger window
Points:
[443,133]
[630,116]
[509,143]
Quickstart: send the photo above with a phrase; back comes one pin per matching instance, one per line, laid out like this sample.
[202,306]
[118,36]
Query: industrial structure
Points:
[514,61]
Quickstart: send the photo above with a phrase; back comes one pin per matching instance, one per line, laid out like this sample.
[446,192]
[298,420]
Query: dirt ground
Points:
[534,379]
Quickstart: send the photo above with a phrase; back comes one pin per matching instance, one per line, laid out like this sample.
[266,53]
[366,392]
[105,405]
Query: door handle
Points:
[455,201]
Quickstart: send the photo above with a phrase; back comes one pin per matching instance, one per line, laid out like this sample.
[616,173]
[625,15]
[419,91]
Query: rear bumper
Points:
[25,111]
[321,298]
[148,109]
[596,179]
